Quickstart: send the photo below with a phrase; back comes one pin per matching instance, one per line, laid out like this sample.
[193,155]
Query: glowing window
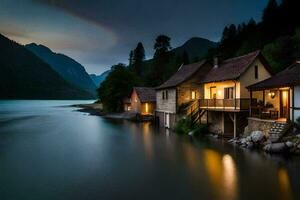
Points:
[146,107]
[193,95]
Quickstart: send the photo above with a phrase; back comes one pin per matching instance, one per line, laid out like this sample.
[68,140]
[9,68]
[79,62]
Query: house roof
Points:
[288,77]
[145,94]
[183,73]
[233,68]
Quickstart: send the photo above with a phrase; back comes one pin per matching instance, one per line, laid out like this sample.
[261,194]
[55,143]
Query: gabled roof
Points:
[145,94]
[183,74]
[288,77]
[233,68]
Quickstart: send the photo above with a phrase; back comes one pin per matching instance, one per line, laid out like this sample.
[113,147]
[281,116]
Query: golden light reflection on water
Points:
[222,174]
[284,184]
[147,139]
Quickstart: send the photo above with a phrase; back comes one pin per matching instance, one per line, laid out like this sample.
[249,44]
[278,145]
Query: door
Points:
[284,104]
[167,120]
[213,92]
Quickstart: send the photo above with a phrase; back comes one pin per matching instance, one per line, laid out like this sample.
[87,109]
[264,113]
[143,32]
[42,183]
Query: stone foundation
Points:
[262,125]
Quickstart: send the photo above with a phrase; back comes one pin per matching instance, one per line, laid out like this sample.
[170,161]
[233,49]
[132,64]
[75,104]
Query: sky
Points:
[101,33]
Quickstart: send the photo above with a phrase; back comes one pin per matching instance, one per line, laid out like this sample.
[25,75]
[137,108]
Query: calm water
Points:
[50,151]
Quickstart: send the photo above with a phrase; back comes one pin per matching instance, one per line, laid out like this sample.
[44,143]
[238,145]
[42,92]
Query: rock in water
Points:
[289,144]
[257,136]
[275,148]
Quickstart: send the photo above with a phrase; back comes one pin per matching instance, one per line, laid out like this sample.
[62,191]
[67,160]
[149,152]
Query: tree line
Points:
[277,35]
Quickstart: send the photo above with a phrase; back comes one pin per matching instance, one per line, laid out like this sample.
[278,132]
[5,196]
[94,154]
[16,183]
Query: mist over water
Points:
[48,150]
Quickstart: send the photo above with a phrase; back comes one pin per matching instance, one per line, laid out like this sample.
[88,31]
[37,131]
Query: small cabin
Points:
[143,100]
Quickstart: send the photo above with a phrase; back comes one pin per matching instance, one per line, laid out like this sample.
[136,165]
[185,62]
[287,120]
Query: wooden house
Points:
[226,101]
[182,88]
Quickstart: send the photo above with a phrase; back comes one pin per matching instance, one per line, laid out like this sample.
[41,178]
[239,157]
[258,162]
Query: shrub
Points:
[184,126]
[297,124]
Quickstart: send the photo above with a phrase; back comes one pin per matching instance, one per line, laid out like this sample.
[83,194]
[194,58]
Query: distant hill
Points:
[195,47]
[98,79]
[69,69]
[25,76]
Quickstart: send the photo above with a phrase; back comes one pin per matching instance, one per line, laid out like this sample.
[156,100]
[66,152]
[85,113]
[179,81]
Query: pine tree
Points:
[138,58]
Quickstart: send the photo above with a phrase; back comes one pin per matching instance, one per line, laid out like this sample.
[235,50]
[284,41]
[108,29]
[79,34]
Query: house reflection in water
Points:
[284,184]
[222,174]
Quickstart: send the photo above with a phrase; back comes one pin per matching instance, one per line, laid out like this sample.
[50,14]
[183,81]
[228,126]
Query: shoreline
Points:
[97,110]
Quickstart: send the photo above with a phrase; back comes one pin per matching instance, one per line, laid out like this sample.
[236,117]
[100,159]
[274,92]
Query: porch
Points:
[225,104]
[270,104]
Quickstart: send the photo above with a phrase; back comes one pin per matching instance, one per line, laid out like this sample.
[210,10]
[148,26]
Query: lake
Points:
[49,150]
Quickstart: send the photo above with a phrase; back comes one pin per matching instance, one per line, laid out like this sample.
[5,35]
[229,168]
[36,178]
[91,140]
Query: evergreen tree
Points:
[138,58]
[269,14]
[130,59]
[161,58]
[162,45]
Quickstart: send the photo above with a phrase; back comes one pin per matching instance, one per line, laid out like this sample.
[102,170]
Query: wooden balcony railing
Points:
[235,104]
[264,113]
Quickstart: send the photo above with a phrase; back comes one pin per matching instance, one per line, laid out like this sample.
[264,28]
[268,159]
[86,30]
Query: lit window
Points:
[193,95]
[146,105]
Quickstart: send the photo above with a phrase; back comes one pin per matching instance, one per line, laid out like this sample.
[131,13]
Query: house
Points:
[226,102]
[127,104]
[182,88]
[143,100]
[277,98]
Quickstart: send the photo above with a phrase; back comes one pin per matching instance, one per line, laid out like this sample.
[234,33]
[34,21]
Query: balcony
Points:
[225,104]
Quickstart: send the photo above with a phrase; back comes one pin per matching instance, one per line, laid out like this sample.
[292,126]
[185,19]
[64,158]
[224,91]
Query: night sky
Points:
[100,33]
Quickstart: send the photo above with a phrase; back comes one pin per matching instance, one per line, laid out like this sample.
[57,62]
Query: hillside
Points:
[24,76]
[66,67]
[98,79]
[196,48]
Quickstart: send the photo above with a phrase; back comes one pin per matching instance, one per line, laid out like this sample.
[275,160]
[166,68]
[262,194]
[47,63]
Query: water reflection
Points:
[284,184]
[222,174]
[147,140]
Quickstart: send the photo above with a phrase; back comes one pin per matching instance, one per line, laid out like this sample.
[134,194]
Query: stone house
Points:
[182,88]
[226,99]
[143,100]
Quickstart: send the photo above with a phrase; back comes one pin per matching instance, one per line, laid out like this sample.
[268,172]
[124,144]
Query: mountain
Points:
[98,79]
[66,67]
[195,47]
[25,76]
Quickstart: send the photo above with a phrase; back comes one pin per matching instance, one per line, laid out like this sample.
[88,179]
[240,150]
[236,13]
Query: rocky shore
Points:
[257,140]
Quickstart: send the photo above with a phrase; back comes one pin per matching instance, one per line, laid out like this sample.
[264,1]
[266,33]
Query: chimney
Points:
[216,62]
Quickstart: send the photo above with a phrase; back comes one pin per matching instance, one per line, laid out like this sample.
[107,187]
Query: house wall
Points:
[160,119]
[166,105]
[296,102]
[135,102]
[220,88]
[248,78]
